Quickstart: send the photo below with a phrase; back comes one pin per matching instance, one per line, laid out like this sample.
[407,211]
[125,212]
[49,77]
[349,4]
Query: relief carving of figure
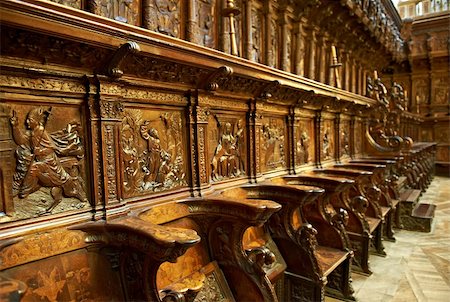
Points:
[151,152]
[256,39]
[273,145]
[345,143]
[50,160]
[227,160]
[326,144]
[302,148]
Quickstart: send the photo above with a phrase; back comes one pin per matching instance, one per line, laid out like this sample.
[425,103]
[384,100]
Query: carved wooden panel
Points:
[69,277]
[50,169]
[344,138]
[420,92]
[304,142]
[441,91]
[227,146]
[359,137]
[273,144]
[257,32]
[152,151]
[327,142]
[273,51]
[45,49]
[127,11]
[70,3]
[206,20]
[163,16]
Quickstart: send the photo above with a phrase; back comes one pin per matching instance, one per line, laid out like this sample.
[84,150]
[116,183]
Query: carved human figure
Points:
[302,148]
[224,161]
[153,156]
[326,144]
[345,143]
[47,160]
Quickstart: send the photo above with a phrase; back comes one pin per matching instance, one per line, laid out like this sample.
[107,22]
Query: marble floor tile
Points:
[417,265]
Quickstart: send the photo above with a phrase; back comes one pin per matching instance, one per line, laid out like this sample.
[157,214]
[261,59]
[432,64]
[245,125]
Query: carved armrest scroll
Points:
[156,243]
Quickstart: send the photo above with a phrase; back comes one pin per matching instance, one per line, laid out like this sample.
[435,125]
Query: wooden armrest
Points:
[254,212]
[278,192]
[329,183]
[159,242]
[374,161]
[368,167]
[345,172]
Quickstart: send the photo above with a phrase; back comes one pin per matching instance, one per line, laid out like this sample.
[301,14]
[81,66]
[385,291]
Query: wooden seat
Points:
[309,262]
[232,270]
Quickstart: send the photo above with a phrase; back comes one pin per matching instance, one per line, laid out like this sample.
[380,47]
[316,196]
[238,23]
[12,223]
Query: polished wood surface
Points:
[198,145]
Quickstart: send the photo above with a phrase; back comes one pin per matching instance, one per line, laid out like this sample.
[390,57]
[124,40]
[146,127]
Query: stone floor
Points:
[417,266]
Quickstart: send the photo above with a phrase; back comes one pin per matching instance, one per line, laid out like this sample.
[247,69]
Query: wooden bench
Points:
[367,232]
[377,193]
[312,268]
[232,271]
[108,261]
[357,230]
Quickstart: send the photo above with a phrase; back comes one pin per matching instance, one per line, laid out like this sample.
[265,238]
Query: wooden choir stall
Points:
[202,150]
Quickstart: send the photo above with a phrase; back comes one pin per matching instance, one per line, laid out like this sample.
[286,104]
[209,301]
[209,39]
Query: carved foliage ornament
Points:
[46,49]
[50,163]
[384,120]
[152,152]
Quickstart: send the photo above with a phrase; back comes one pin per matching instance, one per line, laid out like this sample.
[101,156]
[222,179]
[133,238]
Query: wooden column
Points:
[191,25]
[254,140]
[247,33]
[285,40]
[198,143]
[300,49]
[311,52]
[321,59]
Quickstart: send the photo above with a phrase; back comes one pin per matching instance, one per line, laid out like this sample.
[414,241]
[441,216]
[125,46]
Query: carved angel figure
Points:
[47,159]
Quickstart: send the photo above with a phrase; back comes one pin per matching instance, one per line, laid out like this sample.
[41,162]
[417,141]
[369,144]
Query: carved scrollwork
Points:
[211,83]
[384,121]
[113,69]
[152,152]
